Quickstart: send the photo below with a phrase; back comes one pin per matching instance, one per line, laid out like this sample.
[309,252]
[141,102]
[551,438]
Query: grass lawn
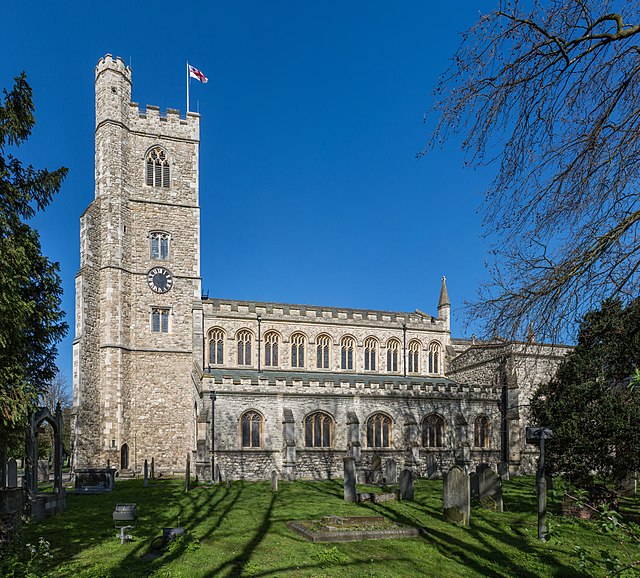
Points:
[240,529]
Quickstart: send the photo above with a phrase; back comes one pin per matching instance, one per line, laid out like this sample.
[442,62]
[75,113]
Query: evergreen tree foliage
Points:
[593,403]
[31,322]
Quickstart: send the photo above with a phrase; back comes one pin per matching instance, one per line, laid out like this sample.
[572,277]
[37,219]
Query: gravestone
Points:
[350,480]
[503,471]
[146,473]
[43,471]
[217,477]
[627,488]
[474,485]
[187,478]
[390,472]
[456,497]
[490,490]
[406,485]
[481,467]
[12,473]
[374,474]
[274,481]
[432,466]
[153,468]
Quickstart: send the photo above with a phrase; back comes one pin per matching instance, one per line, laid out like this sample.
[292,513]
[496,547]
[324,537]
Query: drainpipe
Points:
[404,347]
[259,339]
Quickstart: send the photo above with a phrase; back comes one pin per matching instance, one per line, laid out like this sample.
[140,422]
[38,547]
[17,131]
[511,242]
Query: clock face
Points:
[160,279]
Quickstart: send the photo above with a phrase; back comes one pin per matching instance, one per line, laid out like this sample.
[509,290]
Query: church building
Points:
[248,387]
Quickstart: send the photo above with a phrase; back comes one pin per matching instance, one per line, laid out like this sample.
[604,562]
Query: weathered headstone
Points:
[482,466]
[406,485]
[12,473]
[490,490]
[456,497]
[627,488]
[217,476]
[153,468]
[146,473]
[474,485]
[350,480]
[274,481]
[503,471]
[43,471]
[187,478]
[390,472]
[431,463]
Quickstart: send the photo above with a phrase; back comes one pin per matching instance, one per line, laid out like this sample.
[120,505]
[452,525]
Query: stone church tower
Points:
[138,325]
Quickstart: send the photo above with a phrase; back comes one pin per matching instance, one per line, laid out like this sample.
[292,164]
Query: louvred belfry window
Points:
[157,168]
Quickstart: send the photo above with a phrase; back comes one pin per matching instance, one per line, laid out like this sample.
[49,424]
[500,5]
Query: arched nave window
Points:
[379,431]
[323,347]
[413,356]
[297,350]
[393,347]
[318,430]
[370,353]
[433,431]
[159,244]
[271,340]
[244,339]
[481,432]
[434,357]
[251,426]
[216,347]
[347,346]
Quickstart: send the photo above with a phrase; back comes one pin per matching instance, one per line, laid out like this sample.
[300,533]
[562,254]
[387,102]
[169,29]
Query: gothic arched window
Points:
[216,347]
[297,350]
[159,241]
[157,168]
[271,340]
[251,426]
[481,432]
[413,357]
[323,346]
[393,347]
[370,353]
[379,431]
[318,430]
[346,352]
[434,357]
[433,431]
[244,347]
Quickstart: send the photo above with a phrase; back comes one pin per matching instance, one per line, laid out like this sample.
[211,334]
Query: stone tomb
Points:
[351,529]
[456,497]
[95,480]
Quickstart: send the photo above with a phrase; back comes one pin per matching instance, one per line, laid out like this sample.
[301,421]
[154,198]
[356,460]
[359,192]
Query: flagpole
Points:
[187,88]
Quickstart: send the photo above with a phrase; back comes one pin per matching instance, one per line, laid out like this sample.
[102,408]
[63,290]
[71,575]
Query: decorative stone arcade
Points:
[42,504]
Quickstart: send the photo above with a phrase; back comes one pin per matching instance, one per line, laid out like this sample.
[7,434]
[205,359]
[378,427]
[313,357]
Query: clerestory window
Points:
[322,355]
[159,244]
[271,340]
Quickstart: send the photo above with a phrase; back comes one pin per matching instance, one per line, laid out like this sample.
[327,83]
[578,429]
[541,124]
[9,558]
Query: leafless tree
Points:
[549,91]
[57,391]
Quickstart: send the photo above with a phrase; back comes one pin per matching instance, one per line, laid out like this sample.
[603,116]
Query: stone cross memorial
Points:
[457,497]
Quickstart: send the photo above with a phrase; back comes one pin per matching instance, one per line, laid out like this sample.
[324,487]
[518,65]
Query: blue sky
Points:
[311,120]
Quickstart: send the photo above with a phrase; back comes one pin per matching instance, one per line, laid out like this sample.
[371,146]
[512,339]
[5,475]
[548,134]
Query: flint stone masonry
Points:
[141,393]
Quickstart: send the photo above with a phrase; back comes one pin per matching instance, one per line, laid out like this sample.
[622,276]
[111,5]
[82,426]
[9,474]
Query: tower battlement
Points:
[108,62]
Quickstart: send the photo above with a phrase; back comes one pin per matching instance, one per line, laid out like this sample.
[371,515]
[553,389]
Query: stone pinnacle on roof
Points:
[444,295]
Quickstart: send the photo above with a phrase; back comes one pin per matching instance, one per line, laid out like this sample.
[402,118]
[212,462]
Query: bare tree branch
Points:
[550,93]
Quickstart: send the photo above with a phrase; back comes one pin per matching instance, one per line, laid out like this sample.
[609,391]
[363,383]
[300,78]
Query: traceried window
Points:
[271,340]
[413,357]
[481,432]
[244,339]
[318,430]
[157,168]
[251,425]
[347,346]
[434,357]
[433,431]
[379,431]
[297,350]
[160,320]
[323,343]
[216,347]
[159,244]
[393,347]
[370,354]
